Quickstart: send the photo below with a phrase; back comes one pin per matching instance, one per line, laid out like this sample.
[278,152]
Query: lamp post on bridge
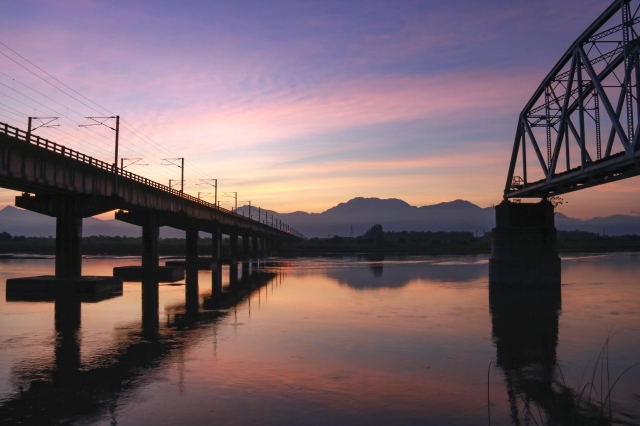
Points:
[249,207]
[132,162]
[100,121]
[215,185]
[44,124]
[201,195]
[173,180]
[172,162]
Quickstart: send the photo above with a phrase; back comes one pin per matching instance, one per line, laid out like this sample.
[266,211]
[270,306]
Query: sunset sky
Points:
[299,105]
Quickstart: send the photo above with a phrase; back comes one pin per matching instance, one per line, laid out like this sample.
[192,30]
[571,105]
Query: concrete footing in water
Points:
[49,284]
[202,264]
[163,274]
[524,246]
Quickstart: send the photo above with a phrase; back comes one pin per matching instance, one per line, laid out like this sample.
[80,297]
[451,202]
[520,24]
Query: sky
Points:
[298,105]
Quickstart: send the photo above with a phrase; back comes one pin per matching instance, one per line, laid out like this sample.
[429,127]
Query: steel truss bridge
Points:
[588,106]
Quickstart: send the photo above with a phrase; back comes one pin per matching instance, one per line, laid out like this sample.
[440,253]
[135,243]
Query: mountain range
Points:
[353,217]
[358,215]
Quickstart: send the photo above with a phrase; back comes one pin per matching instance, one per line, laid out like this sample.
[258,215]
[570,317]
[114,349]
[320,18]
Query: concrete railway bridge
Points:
[68,185]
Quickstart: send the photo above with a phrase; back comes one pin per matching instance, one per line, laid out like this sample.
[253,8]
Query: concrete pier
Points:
[245,247]
[233,244]
[68,239]
[192,245]
[216,239]
[150,235]
[524,247]
[192,299]
[254,246]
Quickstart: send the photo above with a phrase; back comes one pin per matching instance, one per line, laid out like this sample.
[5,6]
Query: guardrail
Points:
[112,168]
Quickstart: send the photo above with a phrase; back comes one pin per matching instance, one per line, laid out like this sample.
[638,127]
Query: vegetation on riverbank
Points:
[452,243]
[97,245]
[382,242]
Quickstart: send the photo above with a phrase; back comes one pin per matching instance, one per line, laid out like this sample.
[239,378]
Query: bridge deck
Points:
[610,169]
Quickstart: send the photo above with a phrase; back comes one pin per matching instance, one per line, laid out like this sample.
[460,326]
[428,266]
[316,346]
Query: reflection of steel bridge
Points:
[590,100]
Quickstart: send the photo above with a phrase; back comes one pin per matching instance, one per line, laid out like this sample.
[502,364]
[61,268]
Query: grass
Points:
[559,404]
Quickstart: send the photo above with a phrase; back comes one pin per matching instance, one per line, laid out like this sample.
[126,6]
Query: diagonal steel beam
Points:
[576,136]
[619,106]
[603,97]
[536,148]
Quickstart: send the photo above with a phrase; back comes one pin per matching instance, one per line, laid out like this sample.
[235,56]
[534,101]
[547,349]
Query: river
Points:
[329,341]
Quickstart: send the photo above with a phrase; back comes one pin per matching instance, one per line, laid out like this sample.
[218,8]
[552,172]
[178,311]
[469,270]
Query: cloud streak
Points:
[416,100]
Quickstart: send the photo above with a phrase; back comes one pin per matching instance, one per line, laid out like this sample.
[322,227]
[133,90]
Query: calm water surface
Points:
[417,340]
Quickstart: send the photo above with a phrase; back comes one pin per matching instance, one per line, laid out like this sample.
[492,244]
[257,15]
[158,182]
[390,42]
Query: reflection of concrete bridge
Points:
[67,390]
[69,186]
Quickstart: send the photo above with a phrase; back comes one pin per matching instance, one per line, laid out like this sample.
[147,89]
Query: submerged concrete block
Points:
[49,284]
[202,264]
[163,274]
[524,246]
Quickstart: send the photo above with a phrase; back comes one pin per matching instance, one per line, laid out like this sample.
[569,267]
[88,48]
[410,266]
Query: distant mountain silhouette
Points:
[362,213]
[393,214]
[397,215]
[610,225]
[30,224]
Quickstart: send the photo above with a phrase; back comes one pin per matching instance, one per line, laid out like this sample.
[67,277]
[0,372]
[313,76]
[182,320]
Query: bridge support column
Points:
[233,245]
[254,246]
[216,283]
[150,235]
[68,242]
[216,237]
[192,245]
[245,246]
[524,248]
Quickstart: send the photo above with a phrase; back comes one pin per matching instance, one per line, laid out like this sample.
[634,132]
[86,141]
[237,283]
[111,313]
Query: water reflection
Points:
[379,274]
[67,350]
[316,352]
[525,325]
[150,306]
[67,390]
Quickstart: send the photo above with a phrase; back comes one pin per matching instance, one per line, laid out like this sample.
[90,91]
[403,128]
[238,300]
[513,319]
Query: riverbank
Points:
[450,243]
[101,245]
[401,243]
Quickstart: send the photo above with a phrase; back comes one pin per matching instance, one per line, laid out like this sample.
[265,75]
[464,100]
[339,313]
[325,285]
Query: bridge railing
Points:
[112,168]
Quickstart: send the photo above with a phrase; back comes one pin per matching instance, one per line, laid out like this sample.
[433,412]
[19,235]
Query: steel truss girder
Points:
[583,94]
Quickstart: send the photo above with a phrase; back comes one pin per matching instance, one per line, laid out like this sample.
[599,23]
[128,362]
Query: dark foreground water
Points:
[345,341]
